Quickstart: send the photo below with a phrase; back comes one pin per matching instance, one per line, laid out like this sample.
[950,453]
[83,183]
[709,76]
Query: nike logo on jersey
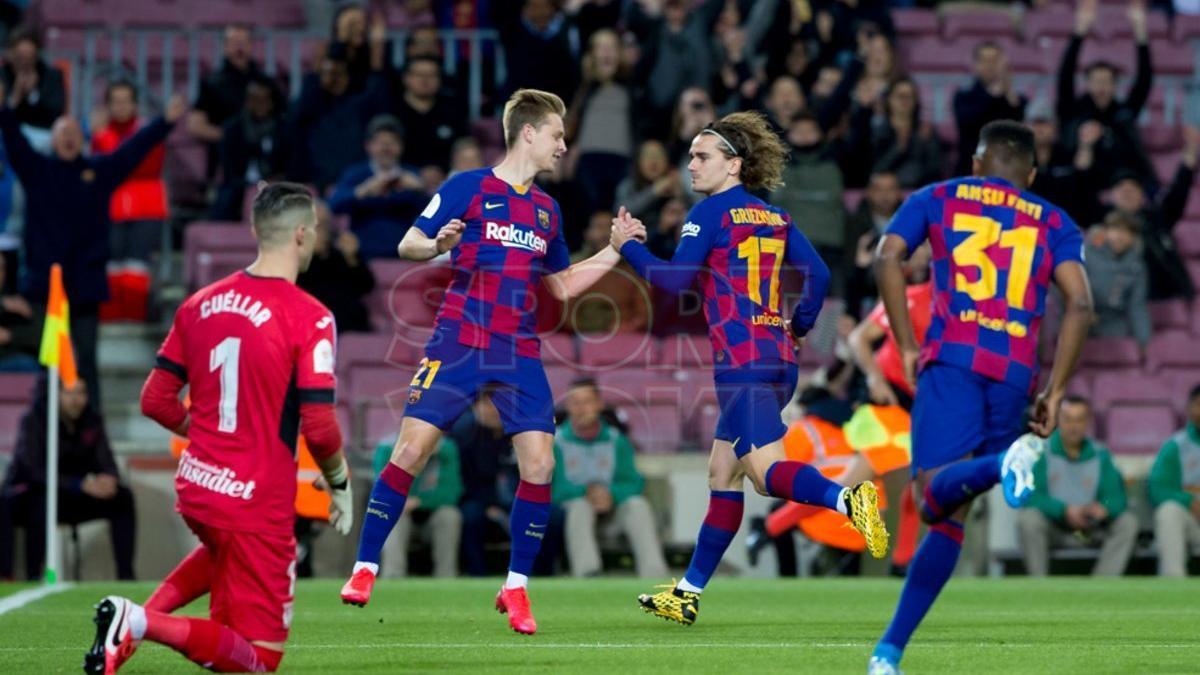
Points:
[492,205]
[690,230]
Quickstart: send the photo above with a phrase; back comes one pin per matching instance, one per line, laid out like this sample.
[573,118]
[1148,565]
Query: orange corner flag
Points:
[56,348]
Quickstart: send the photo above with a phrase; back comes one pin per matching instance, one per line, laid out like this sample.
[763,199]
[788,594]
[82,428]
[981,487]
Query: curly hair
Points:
[751,139]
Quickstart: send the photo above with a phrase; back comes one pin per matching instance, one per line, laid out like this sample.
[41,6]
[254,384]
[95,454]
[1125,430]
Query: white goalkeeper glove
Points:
[341,505]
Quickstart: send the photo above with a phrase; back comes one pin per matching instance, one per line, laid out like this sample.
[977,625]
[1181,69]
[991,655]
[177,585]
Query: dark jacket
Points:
[328,132]
[341,288]
[1067,187]
[548,61]
[1168,276]
[51,96]
[486,460]
[428,137]
[66,209]
[25,335]
[82,449]
[378,222]
[1121,145]
[973,108]
[246,142]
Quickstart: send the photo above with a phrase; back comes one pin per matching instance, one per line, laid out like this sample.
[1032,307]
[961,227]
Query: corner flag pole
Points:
[56,354]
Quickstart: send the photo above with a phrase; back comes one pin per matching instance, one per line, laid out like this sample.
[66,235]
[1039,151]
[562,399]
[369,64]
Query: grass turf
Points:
[1059,625]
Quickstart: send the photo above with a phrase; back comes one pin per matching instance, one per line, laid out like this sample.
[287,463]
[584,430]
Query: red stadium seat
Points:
[932,55]
[1139,430]
[211,267]
[911,23]
[686,351]
[1185,28]
[1055,21]
[1174,349]
[17,387]
[10,423]
[1131,387]
[380,422]
[638,387]
[1157,138]
[377,382]
[559,349]
[380,349]
[852,198]
[208,237]
[606,352]
[653,429]
[1167,314]
[978,24]
[703,425]
[1112,23]
[350,432]
[560,378]
[1111,352]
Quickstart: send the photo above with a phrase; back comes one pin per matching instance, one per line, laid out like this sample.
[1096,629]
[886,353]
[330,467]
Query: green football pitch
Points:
[1060,625]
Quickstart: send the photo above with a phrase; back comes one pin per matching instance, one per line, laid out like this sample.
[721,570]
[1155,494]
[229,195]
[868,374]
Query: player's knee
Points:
[408,455]
[538,469]
[760,485]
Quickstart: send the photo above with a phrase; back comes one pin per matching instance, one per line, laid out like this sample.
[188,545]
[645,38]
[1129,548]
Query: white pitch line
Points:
[19,600]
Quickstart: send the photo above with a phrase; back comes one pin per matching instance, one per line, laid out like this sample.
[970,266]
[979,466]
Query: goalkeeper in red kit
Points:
[258,356]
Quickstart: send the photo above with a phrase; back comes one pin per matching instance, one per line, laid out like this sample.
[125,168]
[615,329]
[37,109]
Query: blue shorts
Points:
[451,376]
[959,413]
[752,402]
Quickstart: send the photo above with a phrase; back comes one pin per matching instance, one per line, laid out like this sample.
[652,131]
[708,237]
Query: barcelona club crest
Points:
[543,219]
[414,395]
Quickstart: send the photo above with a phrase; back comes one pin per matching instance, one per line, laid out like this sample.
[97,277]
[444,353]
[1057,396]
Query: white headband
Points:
[723,140]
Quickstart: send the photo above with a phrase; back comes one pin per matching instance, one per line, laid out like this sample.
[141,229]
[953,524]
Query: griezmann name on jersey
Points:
[251,350]
[995,249]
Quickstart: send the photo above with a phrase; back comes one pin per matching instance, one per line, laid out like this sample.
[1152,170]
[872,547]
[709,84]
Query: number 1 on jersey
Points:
[752,251]
[224,357]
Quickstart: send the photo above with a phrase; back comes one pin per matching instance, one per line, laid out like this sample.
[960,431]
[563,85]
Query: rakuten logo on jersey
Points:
[218,479]
[513,237]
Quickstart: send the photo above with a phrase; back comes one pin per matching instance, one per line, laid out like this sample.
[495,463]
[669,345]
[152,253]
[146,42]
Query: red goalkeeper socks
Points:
[210,644]
[188,581]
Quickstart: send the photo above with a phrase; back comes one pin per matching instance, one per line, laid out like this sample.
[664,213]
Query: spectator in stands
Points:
[676,56]
[541,46]
[137,209]
[879,71]
[326,121]
[337,276]
[253,147]
[664,236]
[1063,178]
[1119,280]
[901,142]
[12,222]
[785,101]
[381,195]
[991,97]
[433,505]
[349,31]
[223,92]
[1120,146]
[67,217]
[89,486]
[19,335]
[813,196]
[880,201]
[599,123]
[36,93]
[619,301]
[465,155]
[1174,487]
[488,474]
[1168,276]
[1078,498]
[673,312]
[652,183]
[431,122]
[597,482]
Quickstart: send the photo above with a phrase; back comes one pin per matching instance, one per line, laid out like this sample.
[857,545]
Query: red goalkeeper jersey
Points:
[252,350]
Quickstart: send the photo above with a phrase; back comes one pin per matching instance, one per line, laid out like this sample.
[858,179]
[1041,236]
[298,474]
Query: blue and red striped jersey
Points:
[995,249]
[512,239]
[737,243]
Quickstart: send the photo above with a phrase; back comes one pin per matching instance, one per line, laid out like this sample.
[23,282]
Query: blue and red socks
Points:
[803,483]
[958,484]
[928,572]
[383,510]
[720,525]
[527,526]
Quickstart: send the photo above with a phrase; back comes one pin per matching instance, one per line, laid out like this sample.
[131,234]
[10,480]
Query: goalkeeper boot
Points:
[1016,468]
[515,603]
[672,604]
[357,590]
[114,642]
[862,506]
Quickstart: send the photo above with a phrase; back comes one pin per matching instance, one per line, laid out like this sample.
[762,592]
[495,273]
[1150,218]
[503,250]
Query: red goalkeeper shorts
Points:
[253,581]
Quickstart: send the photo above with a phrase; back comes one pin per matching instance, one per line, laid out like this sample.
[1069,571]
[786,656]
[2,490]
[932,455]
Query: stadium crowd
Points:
[641,78]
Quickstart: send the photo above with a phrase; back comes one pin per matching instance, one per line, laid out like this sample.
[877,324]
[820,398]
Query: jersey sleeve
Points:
[911,222]
[315,367]
[450,202]
[699,234]
[170,355]
[558,256]
[1066,242]
[802,256]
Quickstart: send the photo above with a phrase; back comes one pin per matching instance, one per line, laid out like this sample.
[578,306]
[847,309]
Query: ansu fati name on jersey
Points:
[236,303]
[515,237]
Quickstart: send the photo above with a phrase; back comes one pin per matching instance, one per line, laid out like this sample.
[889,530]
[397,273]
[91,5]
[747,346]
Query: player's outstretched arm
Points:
[1071,279]
[802,256]
[889,276]
[420,247]
[672,275]
[574,280]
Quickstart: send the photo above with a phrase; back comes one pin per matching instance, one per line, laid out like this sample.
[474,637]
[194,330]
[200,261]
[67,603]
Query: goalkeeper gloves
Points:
[341,505]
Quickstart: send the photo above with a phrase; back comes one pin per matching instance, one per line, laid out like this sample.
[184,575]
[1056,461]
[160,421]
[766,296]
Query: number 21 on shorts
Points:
[425,373]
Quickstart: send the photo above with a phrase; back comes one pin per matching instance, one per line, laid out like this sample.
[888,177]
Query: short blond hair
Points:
[529,106]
